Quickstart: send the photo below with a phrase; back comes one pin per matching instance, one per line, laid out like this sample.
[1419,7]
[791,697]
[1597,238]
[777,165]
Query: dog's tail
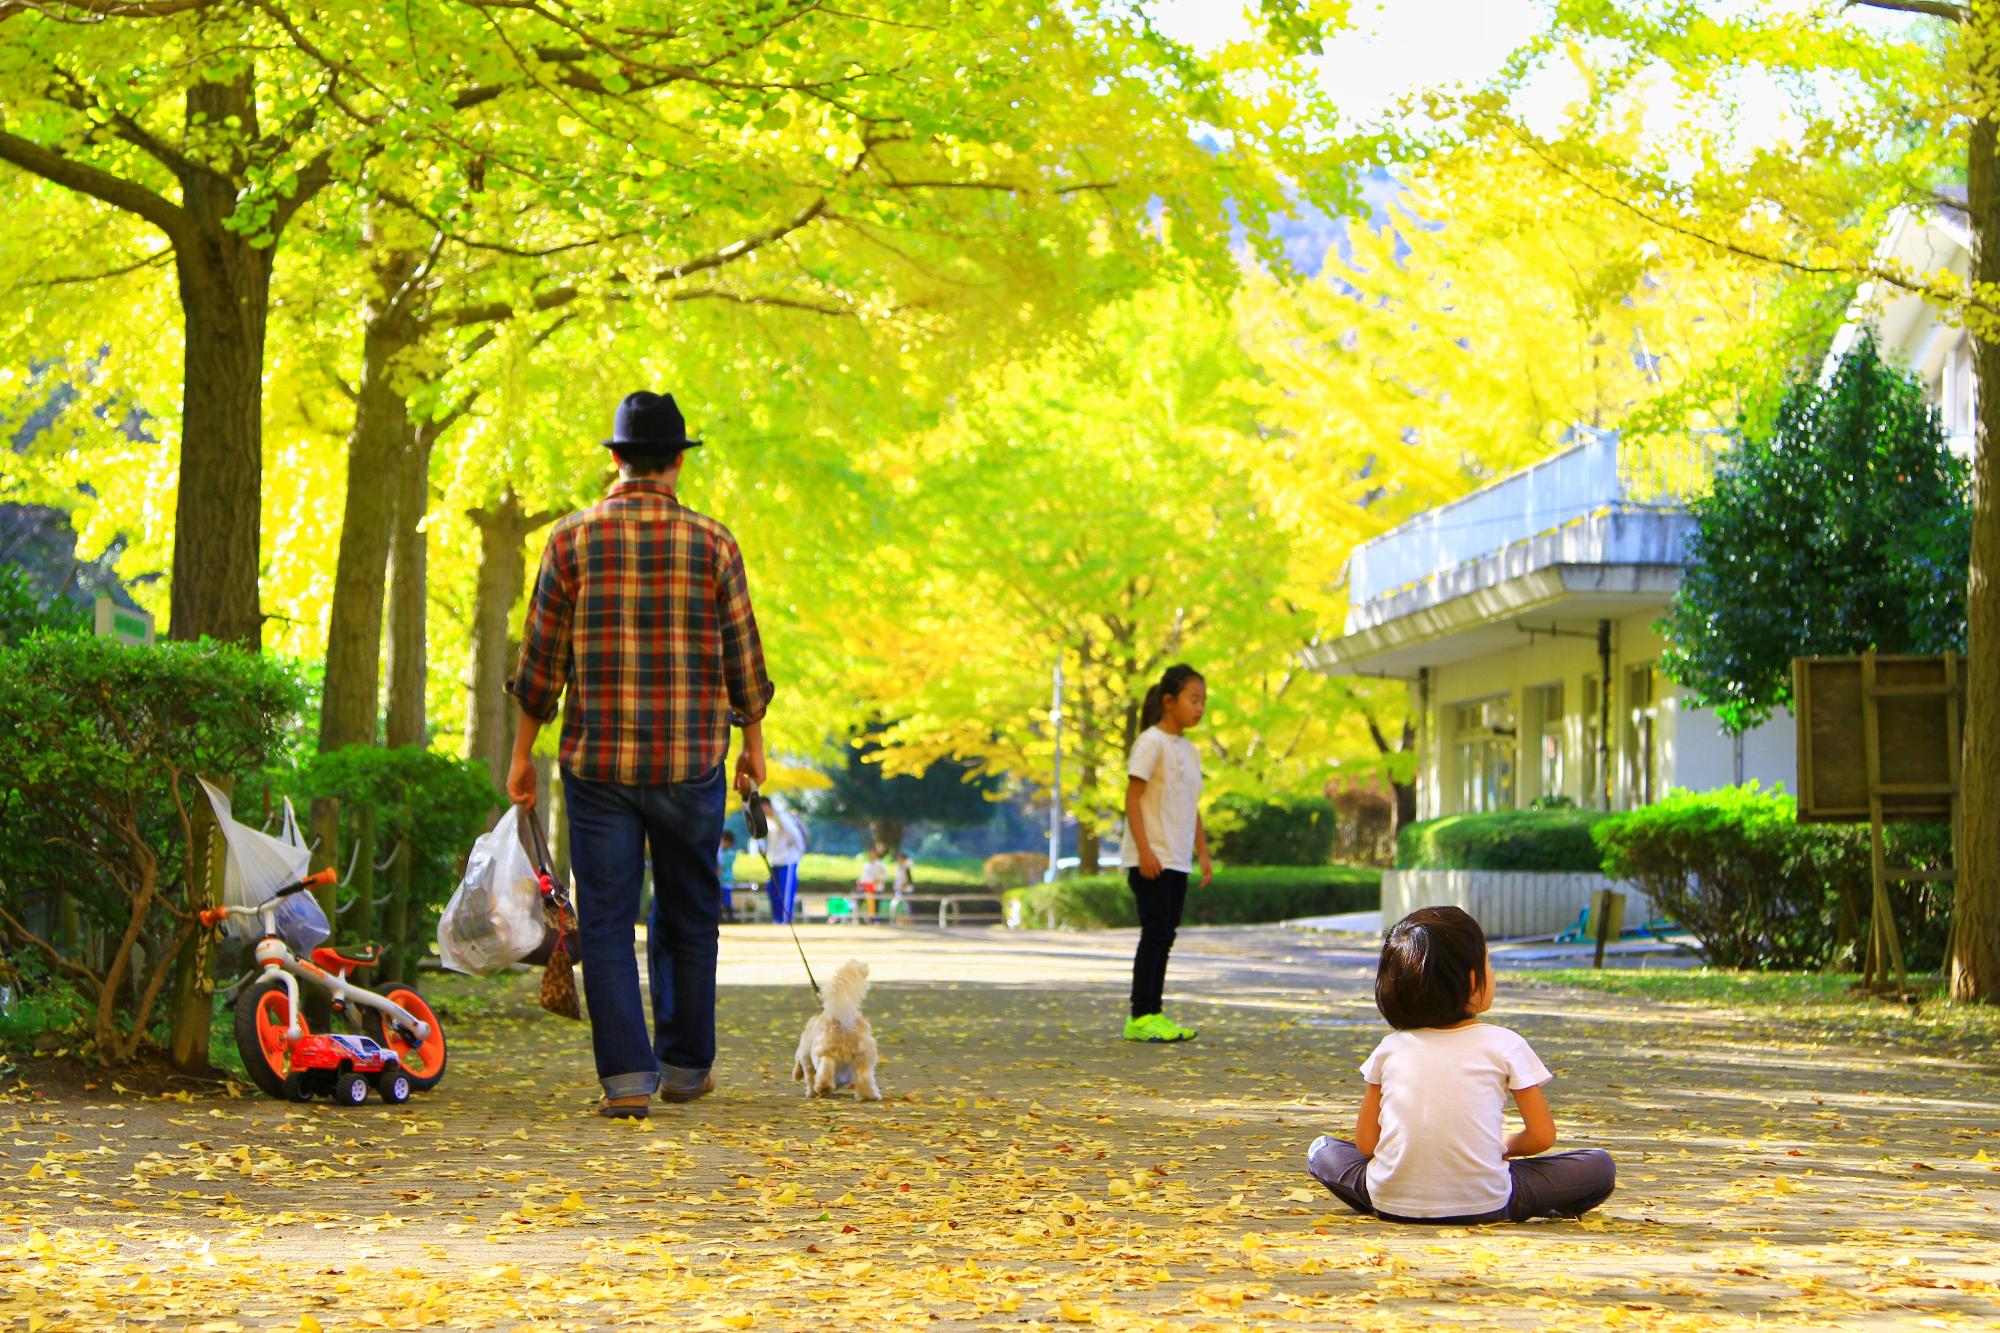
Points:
[845,991]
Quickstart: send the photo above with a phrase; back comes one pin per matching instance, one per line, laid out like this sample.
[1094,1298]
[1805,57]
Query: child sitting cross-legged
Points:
[1430,1144]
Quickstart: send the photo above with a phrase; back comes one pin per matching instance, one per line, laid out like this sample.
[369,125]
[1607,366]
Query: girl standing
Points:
[1163,836]
[1430,1144]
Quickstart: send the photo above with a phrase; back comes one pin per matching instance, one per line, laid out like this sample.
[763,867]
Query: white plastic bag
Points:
[256,866]
[495,917]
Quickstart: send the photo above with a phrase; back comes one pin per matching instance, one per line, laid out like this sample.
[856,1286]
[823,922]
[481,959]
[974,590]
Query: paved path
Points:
[1026,1169]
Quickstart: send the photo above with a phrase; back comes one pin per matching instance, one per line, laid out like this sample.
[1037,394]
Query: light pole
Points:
[1055,787]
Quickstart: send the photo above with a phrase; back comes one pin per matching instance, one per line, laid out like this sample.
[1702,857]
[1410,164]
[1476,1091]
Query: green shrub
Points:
[1554,841]
[1761,890]
[22,611]
[1240,895]
[1295,832]
[100,743]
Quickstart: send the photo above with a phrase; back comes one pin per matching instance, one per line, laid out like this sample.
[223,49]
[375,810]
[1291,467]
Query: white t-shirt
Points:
[787,842]
[1170,767]
[1444,1092]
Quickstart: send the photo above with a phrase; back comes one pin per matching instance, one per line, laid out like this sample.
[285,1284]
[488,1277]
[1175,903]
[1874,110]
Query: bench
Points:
[952,908]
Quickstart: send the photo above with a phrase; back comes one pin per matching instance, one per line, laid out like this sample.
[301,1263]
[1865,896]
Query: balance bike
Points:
[403,1048]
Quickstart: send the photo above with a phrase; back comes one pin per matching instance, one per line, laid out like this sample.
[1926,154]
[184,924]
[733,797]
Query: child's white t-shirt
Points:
[1170,767]
[1443,1152]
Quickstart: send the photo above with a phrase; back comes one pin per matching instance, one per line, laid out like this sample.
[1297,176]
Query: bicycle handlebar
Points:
[213,916]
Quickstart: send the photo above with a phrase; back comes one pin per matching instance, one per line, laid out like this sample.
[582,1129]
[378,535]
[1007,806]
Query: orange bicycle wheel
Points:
[263,1014]
[422,1061]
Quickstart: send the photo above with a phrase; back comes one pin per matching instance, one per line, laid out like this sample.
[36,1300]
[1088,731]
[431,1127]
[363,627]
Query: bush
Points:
[1014,869]
[1240,895]
[99,747]
[1296,832]
[1761,890]
[1554,841]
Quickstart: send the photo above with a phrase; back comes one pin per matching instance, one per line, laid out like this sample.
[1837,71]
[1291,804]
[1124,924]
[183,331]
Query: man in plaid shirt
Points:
[642,611]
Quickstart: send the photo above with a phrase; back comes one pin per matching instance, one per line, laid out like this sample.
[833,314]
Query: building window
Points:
[1483,734]
[1642,740]
[1544,709]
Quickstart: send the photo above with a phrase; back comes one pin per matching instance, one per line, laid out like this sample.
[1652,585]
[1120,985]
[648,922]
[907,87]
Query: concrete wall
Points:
[1507,904]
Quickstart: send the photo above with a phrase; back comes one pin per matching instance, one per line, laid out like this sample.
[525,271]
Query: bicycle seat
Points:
[332,960]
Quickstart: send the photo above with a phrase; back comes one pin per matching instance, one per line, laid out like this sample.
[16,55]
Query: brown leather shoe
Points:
[624,1108]
[668,1094]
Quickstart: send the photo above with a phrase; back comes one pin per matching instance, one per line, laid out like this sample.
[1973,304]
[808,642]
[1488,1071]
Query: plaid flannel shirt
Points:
[643,610]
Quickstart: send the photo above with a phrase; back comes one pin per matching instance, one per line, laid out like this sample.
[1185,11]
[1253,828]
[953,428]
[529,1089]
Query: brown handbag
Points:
[559,974]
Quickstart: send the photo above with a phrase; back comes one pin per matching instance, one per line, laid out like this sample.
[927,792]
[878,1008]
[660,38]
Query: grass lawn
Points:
[1830,1000]
[838,874]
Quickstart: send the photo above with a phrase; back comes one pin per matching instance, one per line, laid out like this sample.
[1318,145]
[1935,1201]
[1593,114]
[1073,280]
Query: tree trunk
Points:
[225,291]
[375,448]
[887,834]
[1089,849]
[409,555]
[1975,935]
[503,530]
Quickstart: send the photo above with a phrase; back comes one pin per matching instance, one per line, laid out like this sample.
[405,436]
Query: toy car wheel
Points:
[394,1085]
[350,1090]
[296,1087]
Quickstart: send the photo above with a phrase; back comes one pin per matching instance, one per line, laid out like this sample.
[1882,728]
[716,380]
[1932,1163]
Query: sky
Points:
[1394,46]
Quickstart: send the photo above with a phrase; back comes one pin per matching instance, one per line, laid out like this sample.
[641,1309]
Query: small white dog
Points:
[838,1047]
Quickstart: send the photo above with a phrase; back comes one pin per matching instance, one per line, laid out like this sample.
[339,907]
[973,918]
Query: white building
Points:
[1522,615]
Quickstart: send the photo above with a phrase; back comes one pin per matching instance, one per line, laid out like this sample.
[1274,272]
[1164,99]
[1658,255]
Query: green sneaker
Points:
[1156,1027]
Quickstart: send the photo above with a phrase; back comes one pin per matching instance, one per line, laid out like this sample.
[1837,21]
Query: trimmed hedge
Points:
[1759,889]
[1240,895]
[1297,832]
[1556,841]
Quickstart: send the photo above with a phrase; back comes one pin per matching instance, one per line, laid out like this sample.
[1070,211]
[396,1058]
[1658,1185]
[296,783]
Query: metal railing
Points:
[1602,472]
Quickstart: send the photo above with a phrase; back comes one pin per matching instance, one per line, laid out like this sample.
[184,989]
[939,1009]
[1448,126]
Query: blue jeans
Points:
[783,891]
[610,826]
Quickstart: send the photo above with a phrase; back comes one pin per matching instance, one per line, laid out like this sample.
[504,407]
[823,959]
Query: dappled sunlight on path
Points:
[1026,1168]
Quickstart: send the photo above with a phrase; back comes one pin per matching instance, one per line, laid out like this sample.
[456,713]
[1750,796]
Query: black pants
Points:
[1160,902]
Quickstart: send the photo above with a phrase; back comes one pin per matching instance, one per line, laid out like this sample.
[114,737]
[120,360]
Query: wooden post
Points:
[1607,919]
[396,920]
[194,987]
[323,829]
[1884,949]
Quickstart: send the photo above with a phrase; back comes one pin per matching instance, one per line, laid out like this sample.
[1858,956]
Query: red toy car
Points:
[343,1067]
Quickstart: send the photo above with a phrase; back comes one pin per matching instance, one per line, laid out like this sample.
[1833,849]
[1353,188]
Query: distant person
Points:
[783,850]
[873,875]
[1430,1143]
[902,886]
[725,866]
[1163,835]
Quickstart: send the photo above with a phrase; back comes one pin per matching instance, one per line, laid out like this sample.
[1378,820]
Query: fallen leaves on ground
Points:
[1028,1170]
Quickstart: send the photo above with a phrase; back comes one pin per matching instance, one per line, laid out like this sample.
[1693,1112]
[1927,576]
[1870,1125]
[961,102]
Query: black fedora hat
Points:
[649,423]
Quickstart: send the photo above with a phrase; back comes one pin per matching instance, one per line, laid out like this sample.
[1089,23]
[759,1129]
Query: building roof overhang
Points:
[1564,600]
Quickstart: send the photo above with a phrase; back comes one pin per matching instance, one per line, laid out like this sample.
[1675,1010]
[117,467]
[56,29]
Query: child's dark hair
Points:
[728,837]
[1431,961]
[1177,678]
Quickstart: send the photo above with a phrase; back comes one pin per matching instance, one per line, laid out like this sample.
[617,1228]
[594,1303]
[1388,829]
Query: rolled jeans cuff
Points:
[639,1084]
[676,1079]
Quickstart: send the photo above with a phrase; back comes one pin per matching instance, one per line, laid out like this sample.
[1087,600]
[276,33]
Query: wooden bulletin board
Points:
[1919,710]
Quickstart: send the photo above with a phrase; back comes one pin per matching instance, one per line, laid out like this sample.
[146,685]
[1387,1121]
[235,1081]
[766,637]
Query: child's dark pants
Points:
[1160,902]
[1562,1184]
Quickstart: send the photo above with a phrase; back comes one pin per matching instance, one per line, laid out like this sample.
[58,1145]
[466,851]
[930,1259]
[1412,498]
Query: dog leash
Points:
[759,830]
